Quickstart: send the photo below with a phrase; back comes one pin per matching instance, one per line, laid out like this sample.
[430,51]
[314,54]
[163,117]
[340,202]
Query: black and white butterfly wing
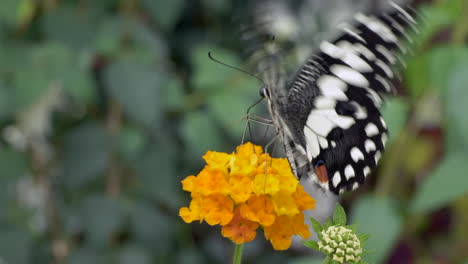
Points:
[332,129]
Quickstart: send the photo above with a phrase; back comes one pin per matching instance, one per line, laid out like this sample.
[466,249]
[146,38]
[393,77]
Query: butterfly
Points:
[328,117]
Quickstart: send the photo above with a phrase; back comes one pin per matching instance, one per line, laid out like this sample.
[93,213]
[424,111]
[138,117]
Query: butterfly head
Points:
[264,93]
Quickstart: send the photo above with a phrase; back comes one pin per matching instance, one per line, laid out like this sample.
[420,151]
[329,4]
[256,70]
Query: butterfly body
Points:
[328,117]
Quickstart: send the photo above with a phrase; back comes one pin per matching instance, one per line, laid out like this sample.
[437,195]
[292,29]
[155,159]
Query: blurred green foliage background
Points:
[106,105]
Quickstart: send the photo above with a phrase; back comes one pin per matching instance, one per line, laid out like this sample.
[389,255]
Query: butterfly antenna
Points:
[235,68]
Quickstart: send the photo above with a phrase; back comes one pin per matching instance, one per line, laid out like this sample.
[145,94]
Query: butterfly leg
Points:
[256,119]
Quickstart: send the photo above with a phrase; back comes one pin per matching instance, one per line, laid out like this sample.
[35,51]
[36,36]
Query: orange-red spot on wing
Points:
[322,173]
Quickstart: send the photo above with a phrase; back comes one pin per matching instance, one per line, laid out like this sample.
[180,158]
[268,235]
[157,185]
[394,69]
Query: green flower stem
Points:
[238,254]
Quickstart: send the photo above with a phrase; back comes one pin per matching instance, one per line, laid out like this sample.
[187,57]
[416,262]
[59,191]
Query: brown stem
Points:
[114,123]
[40,167]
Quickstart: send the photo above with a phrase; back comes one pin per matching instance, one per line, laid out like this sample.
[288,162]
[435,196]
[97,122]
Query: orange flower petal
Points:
[212,181]
[303,200]
[259,209]
[217,209]
[280,233]
[240,230]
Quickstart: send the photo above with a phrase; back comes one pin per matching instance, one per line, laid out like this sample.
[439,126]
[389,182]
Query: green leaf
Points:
[395,112]
[47,67]
[311,244]
[456,98]
[157,177]
[201,134]
[339,215]
[316,225]
[135,86]
[328,223]
[378,216]
[6,104]
[210,76]
[16,246]
[131,142]
[134,254]
[363,238]
[101,217]
[85,155]
[9,11]
[164,12]
[190,256]
[445,184]
[353,227]
[87,255]
[70,26]
[217,6]
[437,65]
[327,260]
[12,164]
[173,94]
[150,227]
[228,108]
[305,260]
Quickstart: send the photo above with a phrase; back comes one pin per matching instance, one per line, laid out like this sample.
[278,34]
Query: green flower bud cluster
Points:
[341,244]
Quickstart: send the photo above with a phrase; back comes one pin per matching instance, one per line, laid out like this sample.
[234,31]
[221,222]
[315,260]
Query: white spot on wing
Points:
[377,156]
[323,142]
[353,32]
[344,122]
[345,52]
[324,102]
[355,186]
[371,130]
[336,179]
[374,97]
[397,7]
[387,54]
[384,139]
[383,82]
[349,172]
[333,143]
[364,51]
[332,87]
[369,145]
[319,124]
[356,154]
[383,122]
[312,142]
[378,27]
[388,71]
[361,112]
[366,171]
[349,75]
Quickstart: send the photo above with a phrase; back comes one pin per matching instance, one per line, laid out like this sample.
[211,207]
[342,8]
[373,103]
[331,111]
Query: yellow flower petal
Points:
[266,184]
[240,188]
[285,204]
[188,184]
[218,160]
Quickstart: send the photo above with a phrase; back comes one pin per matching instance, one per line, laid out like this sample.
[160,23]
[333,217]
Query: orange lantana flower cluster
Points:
[246,190]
